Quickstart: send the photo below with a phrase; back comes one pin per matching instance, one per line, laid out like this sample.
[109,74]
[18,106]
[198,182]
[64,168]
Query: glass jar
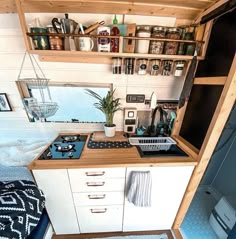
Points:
[156,46]
[179,68]
[167,66]
[142,46]
[129,66]
[155,67]
[116,65]
[56,42]
[142,66]
[172,47]
[189,47]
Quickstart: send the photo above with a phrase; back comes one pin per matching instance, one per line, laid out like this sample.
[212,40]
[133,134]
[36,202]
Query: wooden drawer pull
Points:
[98,210]
[94,174]
[102,196]
[95,184]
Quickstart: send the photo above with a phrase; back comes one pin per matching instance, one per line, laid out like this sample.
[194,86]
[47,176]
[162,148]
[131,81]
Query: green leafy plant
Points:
[108,105]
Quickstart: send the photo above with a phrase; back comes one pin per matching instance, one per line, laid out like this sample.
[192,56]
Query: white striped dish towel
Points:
[139,188]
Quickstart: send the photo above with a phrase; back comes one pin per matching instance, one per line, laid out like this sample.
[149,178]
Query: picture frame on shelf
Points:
[4,103]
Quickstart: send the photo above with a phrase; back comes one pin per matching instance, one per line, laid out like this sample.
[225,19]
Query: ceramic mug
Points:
[86,44]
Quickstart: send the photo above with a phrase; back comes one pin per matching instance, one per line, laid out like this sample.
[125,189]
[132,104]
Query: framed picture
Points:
[4,103]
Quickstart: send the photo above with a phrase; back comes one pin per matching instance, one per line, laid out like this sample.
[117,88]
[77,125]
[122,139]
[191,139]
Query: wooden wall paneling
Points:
[7,6]
[220,117]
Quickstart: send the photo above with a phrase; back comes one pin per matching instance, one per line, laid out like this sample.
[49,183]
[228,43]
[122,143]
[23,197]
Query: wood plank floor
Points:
[112,234]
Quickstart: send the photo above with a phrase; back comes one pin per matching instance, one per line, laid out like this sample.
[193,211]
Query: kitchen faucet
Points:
[152,131]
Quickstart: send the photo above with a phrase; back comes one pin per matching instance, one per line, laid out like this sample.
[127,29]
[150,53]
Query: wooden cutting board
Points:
[100,136]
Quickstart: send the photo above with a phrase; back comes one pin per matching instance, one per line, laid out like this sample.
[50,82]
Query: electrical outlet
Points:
[135,98]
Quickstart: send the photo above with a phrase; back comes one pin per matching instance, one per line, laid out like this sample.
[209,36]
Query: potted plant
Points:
[108,105]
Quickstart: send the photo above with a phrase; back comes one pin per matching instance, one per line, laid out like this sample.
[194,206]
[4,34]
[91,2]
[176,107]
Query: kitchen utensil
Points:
[93,27]
[188,81]
[153,101]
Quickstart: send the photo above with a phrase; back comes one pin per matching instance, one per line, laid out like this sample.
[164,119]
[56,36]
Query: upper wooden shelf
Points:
[181,9]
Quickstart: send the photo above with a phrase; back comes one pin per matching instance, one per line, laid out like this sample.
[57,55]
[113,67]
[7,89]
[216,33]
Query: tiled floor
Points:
[196,223]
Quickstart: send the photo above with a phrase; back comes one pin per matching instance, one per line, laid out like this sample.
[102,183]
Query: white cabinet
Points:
[59,201]
[168,186]
[98,198]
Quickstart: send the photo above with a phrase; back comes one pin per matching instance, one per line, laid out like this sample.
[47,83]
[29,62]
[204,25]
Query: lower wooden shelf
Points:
[99,57]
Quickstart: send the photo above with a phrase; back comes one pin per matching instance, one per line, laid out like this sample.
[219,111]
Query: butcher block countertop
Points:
[114,157]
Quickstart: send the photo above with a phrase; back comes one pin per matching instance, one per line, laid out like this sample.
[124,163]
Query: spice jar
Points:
[179,68]
[142,46]
[190,47]
[167,67]
[142,66]
[172,47]
[155,66]
[129,66]
[156,46]
[56,42]
[116,65]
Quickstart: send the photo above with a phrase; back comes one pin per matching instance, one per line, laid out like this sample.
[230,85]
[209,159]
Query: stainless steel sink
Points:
[174,151]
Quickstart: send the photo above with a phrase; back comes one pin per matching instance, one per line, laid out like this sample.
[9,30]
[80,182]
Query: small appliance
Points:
[130,120]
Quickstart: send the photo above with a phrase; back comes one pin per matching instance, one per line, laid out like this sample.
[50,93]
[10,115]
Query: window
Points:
[75,105]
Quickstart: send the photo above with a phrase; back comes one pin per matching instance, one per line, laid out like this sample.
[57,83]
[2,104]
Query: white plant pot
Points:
[110,131]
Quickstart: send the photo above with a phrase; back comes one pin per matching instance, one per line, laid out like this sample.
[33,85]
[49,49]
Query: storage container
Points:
[223,216]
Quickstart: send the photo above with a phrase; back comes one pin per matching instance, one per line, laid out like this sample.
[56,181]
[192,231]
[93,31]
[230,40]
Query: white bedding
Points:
[20,152]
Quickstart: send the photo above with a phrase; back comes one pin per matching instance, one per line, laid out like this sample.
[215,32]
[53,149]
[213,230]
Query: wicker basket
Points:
[152,143]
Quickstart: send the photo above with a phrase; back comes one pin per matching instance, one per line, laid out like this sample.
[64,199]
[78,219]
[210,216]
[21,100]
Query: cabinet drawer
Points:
[100,218]
[97,185]
[99,198]
[97,173]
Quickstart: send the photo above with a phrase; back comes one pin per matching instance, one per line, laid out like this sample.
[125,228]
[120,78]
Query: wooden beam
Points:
[210,80]
[24,29]
[218,121]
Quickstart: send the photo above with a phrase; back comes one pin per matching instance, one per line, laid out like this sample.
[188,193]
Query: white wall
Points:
[12,49]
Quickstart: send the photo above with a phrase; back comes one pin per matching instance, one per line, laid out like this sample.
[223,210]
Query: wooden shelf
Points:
[181,9]
[99,57]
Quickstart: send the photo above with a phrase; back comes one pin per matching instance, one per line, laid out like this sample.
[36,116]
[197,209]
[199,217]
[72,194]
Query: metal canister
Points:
[56,42]
[142,46]
[40,42]
[172,47]
[156,46]
[167,66]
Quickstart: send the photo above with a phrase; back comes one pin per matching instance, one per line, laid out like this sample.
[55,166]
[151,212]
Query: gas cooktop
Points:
[65,147]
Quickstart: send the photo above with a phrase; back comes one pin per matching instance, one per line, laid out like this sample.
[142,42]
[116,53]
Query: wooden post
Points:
[23,24]
[218,121]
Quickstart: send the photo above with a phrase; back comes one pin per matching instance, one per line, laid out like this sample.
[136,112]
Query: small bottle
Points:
[115,32]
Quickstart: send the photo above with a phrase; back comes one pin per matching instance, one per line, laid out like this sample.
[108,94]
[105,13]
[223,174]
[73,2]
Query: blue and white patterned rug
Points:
[162,236]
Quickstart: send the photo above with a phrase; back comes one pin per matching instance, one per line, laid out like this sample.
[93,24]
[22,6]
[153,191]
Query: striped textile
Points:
[139,188]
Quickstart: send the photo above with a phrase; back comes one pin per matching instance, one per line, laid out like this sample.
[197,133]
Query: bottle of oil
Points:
[115,32]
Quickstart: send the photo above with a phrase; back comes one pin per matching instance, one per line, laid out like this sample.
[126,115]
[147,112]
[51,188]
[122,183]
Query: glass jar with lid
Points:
[172,47]
[156,46]
[142,46]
